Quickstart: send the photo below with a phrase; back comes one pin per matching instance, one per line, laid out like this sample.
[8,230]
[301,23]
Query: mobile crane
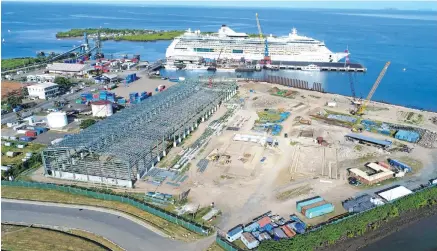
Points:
[266,44]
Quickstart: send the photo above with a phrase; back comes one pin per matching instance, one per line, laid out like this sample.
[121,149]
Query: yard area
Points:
[34,148]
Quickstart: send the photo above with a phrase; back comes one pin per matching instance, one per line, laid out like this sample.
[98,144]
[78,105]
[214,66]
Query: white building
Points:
[43,90]
[70,69]
[249,240]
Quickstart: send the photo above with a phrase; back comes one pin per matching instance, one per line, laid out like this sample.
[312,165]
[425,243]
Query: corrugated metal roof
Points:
[235,231]
[264,221]
[369,139]
[66,67]
[249,237]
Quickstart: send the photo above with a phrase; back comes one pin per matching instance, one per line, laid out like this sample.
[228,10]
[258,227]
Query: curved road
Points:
[122,231]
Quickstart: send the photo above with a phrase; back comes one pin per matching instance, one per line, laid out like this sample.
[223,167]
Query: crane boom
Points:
[266,44]
[372,91]
[259,27]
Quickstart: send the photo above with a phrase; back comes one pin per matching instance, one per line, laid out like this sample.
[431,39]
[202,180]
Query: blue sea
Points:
[406,38]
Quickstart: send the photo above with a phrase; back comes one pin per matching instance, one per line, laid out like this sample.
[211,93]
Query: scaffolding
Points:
[124,147]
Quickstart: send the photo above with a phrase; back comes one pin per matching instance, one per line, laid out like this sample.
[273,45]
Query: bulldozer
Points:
[305,121]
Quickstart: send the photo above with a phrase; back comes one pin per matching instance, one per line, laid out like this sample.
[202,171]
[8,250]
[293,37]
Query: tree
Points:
[64,83]
[87,123]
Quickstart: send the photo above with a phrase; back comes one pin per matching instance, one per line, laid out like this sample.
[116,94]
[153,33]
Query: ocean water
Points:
[406,38]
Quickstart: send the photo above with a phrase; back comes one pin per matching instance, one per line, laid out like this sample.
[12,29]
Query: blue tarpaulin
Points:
[410,136]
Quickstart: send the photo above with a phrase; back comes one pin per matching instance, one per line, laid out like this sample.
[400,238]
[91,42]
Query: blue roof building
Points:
[364,139]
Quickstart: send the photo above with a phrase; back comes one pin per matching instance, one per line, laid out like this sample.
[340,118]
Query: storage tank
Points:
[57,119]
[101,108]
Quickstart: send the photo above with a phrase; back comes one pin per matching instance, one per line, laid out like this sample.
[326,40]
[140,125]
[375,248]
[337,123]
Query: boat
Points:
[196,67]
[311,67]
[227,43]
[225,69]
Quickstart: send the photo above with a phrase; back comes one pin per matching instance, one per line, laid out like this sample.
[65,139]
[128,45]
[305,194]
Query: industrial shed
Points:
[72,69]
[368,140]
[124,147]
[394,193]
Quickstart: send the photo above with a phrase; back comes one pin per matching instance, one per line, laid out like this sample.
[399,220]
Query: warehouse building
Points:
[43,91]
[385,144]
[124,147]
[377,174]
[69,69]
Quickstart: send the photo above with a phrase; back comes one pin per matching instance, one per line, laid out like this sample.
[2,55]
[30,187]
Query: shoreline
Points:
[115,40]
[387,229]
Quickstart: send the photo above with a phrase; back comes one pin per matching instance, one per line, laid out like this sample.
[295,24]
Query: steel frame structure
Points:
[128,144]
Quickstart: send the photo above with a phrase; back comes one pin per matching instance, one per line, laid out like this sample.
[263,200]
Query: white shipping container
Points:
[22,131]
[28,154]
[8,143]
[20,146]
[13,138]
[11,154]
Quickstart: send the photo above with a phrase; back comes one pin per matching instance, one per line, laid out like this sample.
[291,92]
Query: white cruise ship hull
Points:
[227,44]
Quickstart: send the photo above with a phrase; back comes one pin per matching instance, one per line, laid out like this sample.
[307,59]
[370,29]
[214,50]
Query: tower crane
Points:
[361,109]
[266,44]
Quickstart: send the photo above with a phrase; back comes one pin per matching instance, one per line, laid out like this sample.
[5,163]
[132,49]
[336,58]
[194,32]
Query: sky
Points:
[342,4]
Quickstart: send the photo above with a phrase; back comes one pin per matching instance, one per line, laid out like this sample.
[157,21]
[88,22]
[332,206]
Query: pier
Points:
[324,66]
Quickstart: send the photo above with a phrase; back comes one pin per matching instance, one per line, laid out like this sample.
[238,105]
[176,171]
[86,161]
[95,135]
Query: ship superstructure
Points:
[235,45]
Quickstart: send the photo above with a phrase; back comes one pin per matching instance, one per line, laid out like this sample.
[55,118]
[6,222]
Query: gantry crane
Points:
[266,44]
[363,106]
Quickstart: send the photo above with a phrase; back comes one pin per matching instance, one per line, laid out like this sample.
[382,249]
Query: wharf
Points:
[324,66]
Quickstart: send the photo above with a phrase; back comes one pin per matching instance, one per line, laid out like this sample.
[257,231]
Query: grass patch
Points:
[293,143]
[226,177]
[215,247]
[168,228]
[35,239]
[30,148]
[358,148]
[105,242]
[376,108]
[292,193]
[313,96]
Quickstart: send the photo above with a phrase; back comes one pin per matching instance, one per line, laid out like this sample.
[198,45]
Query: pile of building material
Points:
[314,207]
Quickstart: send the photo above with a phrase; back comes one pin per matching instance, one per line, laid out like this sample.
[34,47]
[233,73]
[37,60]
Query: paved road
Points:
[122,231]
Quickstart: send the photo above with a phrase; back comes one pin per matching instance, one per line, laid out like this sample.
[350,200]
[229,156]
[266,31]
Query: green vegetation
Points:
[197,217]
[87,123]
[36,194]
[11,63]
[354,226]
[64,83]
[283,93]
[358,148]
[37,239]
[410,117]
[123,34]
[19,166]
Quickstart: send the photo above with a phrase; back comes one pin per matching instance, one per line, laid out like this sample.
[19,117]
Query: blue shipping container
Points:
[26,139]
[319,211]
[298,227]
[409,136]
[400,165]
[252,227]
[301,204]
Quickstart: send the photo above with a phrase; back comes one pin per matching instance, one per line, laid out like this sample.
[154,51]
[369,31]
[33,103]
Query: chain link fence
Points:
[190,225]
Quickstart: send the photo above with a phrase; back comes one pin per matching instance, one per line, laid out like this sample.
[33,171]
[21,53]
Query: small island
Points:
[127,34]
[122,34]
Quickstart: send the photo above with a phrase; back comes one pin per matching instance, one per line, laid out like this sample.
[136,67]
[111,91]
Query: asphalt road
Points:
[122,231]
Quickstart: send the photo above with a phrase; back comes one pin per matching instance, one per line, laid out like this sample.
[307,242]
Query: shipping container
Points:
[305,208]
[302,203]
[298,227]
[21,146]
[288,231]
[26,138]
[319,211]
[251,227]
[397,164]
[11,154]
[31,133]
[8,144]
[279,233]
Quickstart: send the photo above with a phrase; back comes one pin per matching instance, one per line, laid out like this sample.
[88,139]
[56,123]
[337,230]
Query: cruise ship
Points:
[228,44]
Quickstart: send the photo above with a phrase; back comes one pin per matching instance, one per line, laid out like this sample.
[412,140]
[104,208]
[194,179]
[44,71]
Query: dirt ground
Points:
[10,86]
[243,187]
[143,84]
